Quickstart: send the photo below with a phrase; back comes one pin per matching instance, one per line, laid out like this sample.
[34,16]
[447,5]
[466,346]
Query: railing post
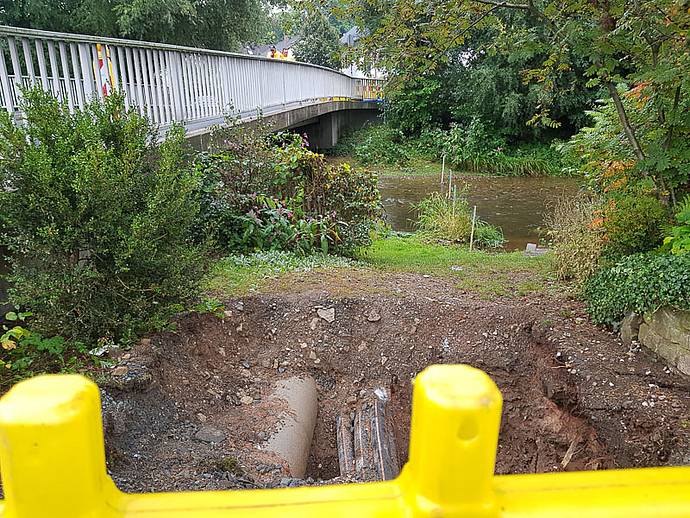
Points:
[51,449]
[454,435]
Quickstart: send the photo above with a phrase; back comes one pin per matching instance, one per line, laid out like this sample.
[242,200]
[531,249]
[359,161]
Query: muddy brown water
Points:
[517,205]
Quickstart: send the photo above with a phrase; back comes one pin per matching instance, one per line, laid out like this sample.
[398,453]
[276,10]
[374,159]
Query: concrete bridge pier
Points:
[325,132]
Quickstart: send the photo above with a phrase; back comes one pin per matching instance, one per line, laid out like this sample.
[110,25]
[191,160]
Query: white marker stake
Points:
[474,219]
[443,168]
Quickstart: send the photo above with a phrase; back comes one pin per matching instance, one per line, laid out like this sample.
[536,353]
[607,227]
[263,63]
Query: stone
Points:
[314,322]
[145,342]
[373,316]
[210,434]
[326,314]
[246,400]
[630,327]
[684,364]
[120,371]
[312,355]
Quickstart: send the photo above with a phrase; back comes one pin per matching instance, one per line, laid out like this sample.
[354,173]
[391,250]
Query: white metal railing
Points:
[169,83]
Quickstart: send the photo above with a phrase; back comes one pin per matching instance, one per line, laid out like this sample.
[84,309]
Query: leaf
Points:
[8,344]
[11,316]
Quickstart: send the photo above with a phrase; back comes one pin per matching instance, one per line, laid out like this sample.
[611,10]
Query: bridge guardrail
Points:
[53,464]
[169,83]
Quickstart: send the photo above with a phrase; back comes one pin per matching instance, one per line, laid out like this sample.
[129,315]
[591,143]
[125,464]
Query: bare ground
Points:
[574,397]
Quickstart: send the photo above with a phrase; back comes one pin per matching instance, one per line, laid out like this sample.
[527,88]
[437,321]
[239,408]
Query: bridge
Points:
[196,88]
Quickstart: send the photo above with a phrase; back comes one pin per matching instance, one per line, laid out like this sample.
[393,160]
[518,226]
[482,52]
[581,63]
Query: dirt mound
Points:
[574,397]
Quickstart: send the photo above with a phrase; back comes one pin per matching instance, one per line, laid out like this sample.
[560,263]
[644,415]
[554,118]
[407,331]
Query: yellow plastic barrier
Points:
[53,465]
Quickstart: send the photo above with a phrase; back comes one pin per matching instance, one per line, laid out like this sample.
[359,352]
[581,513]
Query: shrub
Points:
[640,283]
[633,224]
[376,144]
[574,229]
[269,192]
[101,215]
[441,218]
[677,240]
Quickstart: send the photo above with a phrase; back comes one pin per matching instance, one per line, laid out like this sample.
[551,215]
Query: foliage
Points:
[651,125]
[319,43]
[611,167]
[641,283]
[472,148]
[100,217]
[23,352]
[450,219]
[218,24]
[374,144]
[576,236]
[418,104]
[633,224]
[677,240]
[270,192]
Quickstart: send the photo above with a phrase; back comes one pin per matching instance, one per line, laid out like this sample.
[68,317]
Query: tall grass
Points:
[450,219]
[506,165]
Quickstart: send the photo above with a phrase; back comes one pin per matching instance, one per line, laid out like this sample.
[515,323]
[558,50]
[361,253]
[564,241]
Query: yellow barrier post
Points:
[455,421]
[51,454]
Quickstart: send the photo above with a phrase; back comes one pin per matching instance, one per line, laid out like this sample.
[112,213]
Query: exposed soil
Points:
[574,396]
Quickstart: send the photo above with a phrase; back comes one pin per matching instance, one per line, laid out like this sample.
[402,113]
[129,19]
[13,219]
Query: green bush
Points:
[677,240]
[633,224]
[101,217]
[641,283]
[442,218]
[269,192]
[376,144]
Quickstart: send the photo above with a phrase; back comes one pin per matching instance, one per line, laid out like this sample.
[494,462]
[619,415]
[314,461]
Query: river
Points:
[517,205]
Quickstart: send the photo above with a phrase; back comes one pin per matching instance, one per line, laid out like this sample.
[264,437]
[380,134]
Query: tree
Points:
[319,43]
[217,24]
[643,44]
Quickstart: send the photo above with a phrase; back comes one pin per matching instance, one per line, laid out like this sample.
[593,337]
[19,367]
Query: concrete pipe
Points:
[292,439]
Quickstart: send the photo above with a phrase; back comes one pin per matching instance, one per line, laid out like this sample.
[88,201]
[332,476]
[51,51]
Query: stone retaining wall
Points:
[667,333]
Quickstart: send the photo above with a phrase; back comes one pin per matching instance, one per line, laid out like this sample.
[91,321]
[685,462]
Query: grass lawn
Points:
[490,274]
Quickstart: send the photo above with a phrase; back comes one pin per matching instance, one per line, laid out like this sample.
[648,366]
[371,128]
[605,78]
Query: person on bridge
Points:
[273,53]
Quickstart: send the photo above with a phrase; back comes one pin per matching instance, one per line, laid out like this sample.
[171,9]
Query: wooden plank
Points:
[366,443]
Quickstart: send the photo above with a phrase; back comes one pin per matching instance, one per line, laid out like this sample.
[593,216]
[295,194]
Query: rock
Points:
[314,322]
[245,364]
[145,342]
[246,400]
[120,371]
[312,355]
[209,434]
[373,316]
[630,327]
[327,314]
[275,363]
[201,417]
[239,305]
[351,400]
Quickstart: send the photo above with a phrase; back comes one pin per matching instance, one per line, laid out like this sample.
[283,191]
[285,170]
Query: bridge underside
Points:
[322,122]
